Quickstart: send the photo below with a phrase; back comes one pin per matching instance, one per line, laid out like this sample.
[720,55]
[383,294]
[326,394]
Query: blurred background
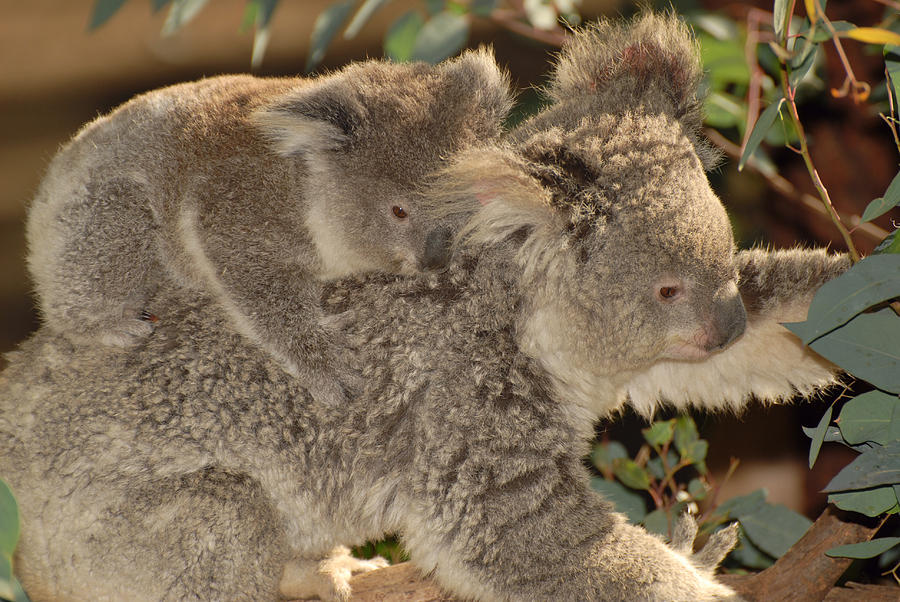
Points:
[56,74]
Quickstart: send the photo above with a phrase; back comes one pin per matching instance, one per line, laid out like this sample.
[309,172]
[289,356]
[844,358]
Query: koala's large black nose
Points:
[437,249]
[729,323]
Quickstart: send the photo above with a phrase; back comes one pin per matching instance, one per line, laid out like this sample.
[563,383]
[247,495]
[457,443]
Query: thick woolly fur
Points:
[254,190]
[594,268]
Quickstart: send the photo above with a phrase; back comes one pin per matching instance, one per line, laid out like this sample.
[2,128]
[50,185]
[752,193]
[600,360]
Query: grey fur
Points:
[481,387]
[253,191]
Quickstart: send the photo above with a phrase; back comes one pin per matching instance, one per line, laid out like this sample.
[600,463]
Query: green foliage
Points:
[388,548]
[668,476]
[9,537]
[326,27]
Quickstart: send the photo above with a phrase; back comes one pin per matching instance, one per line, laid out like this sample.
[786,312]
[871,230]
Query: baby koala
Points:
[253,191]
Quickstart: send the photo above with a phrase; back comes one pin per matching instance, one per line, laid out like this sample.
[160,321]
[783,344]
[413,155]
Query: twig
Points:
[786,188]
[511,20]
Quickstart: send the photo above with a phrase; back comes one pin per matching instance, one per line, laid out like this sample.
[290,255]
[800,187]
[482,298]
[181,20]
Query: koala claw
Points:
[327,579]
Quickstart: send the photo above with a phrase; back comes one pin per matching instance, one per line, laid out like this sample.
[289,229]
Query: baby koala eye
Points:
[399,212]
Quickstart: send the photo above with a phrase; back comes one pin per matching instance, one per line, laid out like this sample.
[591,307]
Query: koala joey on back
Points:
[594,268]
[253,191]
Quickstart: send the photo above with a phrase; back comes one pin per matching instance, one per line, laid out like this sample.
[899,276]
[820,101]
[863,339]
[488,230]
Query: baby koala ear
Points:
[475,87]
[318,116]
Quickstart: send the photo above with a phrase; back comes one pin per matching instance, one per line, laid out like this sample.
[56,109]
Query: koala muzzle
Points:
[437,249]
[728,323]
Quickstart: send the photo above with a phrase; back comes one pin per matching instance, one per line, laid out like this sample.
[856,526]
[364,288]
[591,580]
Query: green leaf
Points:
[819,436]
[442,36]
[6,578]
[401,37]
[832,434]
[892,64]
[743,504]
[803,64]
[604,454]
[362,16]
[483,8]
[18,593]
[881,206]
[865,549]
[890,244]
[685,433]
[327,24]
[158,4]
[868,346]
[868,417]
[435,6]
[870,502]
[871,281]
[180,13]
[877,466]
[262,16]
[103,10]
[823,35]
[657,522]
[632,475]
[760,129]
[722,111]
[627,502]
[774,528]
[9,521]
[749,555]
[724,62]
[779,16]
[659,433]
[696,452]
[697,489]
[655,465]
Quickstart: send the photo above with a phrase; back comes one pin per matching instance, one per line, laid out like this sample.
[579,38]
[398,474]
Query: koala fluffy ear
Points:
[490,192]
[312,119]
[476,88]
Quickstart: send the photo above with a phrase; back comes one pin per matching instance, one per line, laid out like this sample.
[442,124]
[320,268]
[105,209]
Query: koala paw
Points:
[128,332]
[327,579]
[708,558]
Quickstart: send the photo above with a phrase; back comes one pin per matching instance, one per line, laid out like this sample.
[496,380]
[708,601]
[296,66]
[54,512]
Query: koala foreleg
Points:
[93,259]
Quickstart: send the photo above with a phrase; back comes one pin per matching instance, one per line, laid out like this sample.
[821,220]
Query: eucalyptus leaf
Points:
[655,465]
[804,63]
[657,522]
[6,578]
[868,417]
[103,10]
[627,502]
[158,4]
[870,502]
[874,467]
[327,25]
[779,16]
[401,37]
[868,346]
[9,521]
[440,37]
[865,549]
[180,13]
[18,593]
[697,489]
[362,16]
[685,433]
[890,244]
[871,281]
[832,434]
[742,505]
[749,555]
[818,436]
[760,129]
[892,64]
[884,204]
[873,35]
[483,8]
[774,528]
[823,35]
[659,433]
[631,474]
[604,454]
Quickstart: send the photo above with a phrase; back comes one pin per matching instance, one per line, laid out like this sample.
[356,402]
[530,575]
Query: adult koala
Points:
[595,267]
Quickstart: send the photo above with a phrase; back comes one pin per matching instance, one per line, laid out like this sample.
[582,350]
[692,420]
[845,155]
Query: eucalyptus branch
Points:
[512,20]
[861,90]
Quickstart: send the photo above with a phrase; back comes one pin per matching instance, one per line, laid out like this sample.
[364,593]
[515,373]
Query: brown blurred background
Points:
[55,76]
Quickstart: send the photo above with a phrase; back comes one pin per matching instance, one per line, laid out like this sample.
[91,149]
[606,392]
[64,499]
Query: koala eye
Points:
[399,212]
[668,292]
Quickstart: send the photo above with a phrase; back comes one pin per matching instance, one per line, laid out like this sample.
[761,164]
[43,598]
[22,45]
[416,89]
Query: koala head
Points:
[625,253]
[368,136]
